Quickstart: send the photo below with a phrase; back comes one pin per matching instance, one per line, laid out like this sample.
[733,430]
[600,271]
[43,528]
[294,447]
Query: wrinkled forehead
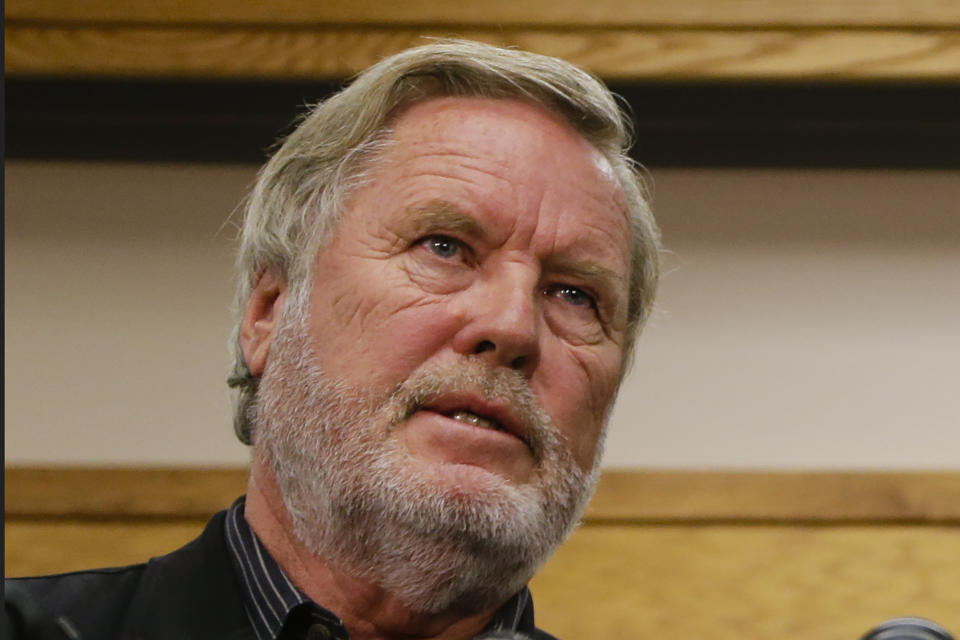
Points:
[516,142]
[455,119]
[510,155]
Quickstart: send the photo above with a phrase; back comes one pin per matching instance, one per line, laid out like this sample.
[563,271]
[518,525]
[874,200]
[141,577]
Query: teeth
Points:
[469,417]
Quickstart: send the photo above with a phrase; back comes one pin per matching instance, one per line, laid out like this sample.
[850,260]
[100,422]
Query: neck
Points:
[368,611]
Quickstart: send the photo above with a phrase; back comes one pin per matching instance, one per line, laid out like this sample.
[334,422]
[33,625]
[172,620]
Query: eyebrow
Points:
[443,215]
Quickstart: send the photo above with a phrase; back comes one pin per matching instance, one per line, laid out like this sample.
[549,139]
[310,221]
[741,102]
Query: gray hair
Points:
[299,194]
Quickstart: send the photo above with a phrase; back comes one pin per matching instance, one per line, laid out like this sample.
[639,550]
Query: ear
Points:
[261,318]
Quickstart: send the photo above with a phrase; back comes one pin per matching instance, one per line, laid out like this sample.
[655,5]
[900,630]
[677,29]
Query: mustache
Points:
[424,388]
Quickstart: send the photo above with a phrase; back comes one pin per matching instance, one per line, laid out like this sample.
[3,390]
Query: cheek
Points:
[378,328]
[352,296]
[408,338]
[576,392]
[341,309]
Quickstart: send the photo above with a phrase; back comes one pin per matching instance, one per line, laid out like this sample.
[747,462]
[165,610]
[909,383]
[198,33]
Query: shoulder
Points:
[191,592]
[56,606]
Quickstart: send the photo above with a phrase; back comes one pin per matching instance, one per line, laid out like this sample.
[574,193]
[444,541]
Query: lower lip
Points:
[439,438]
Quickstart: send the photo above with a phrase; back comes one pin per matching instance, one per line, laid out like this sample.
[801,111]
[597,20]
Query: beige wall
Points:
[808,319]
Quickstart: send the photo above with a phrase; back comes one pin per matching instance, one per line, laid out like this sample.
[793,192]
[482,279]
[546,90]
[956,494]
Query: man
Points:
[443,270]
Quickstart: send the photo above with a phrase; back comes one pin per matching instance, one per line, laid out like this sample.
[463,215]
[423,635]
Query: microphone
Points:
[908,629]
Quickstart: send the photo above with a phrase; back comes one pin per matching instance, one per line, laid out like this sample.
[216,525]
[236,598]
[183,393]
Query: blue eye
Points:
[574,295]
[443,246]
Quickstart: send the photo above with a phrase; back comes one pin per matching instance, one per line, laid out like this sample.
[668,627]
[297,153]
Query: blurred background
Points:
[796,387]
[807,317]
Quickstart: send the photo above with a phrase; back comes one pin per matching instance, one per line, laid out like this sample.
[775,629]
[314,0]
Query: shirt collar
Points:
[268,594]
[270,597]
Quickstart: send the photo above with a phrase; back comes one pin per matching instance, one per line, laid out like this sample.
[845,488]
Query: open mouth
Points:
[473,419]
[499,414]
[483,414]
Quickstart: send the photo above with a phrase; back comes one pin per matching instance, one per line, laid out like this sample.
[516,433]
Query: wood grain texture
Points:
[622,496]
[120,493]
[41,548]
[755,583]
[497,13]
[757,496]
[627,582]
[621,54]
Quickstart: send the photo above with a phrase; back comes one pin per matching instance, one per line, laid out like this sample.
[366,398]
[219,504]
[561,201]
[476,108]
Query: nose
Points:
[502,324]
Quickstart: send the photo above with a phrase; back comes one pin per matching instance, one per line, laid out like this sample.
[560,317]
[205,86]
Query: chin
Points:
[469,480]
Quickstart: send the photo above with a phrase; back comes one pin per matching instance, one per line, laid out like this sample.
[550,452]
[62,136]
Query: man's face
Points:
[432,415]
[488,231]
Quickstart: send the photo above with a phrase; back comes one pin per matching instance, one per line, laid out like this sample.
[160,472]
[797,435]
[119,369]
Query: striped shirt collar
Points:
[271,599]
[269,596]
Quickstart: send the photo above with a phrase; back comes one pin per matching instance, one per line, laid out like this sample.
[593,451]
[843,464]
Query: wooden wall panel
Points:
[625,496]
[747,583]
[42,547]
[647,581]
[120,493]
[791,497]
[678,55]
[819,40]
[497,13]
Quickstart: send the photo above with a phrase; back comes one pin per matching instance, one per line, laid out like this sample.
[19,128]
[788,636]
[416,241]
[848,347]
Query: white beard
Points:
[359,500]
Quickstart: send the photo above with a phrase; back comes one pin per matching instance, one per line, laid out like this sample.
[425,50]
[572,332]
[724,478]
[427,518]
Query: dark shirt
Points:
[278,610]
